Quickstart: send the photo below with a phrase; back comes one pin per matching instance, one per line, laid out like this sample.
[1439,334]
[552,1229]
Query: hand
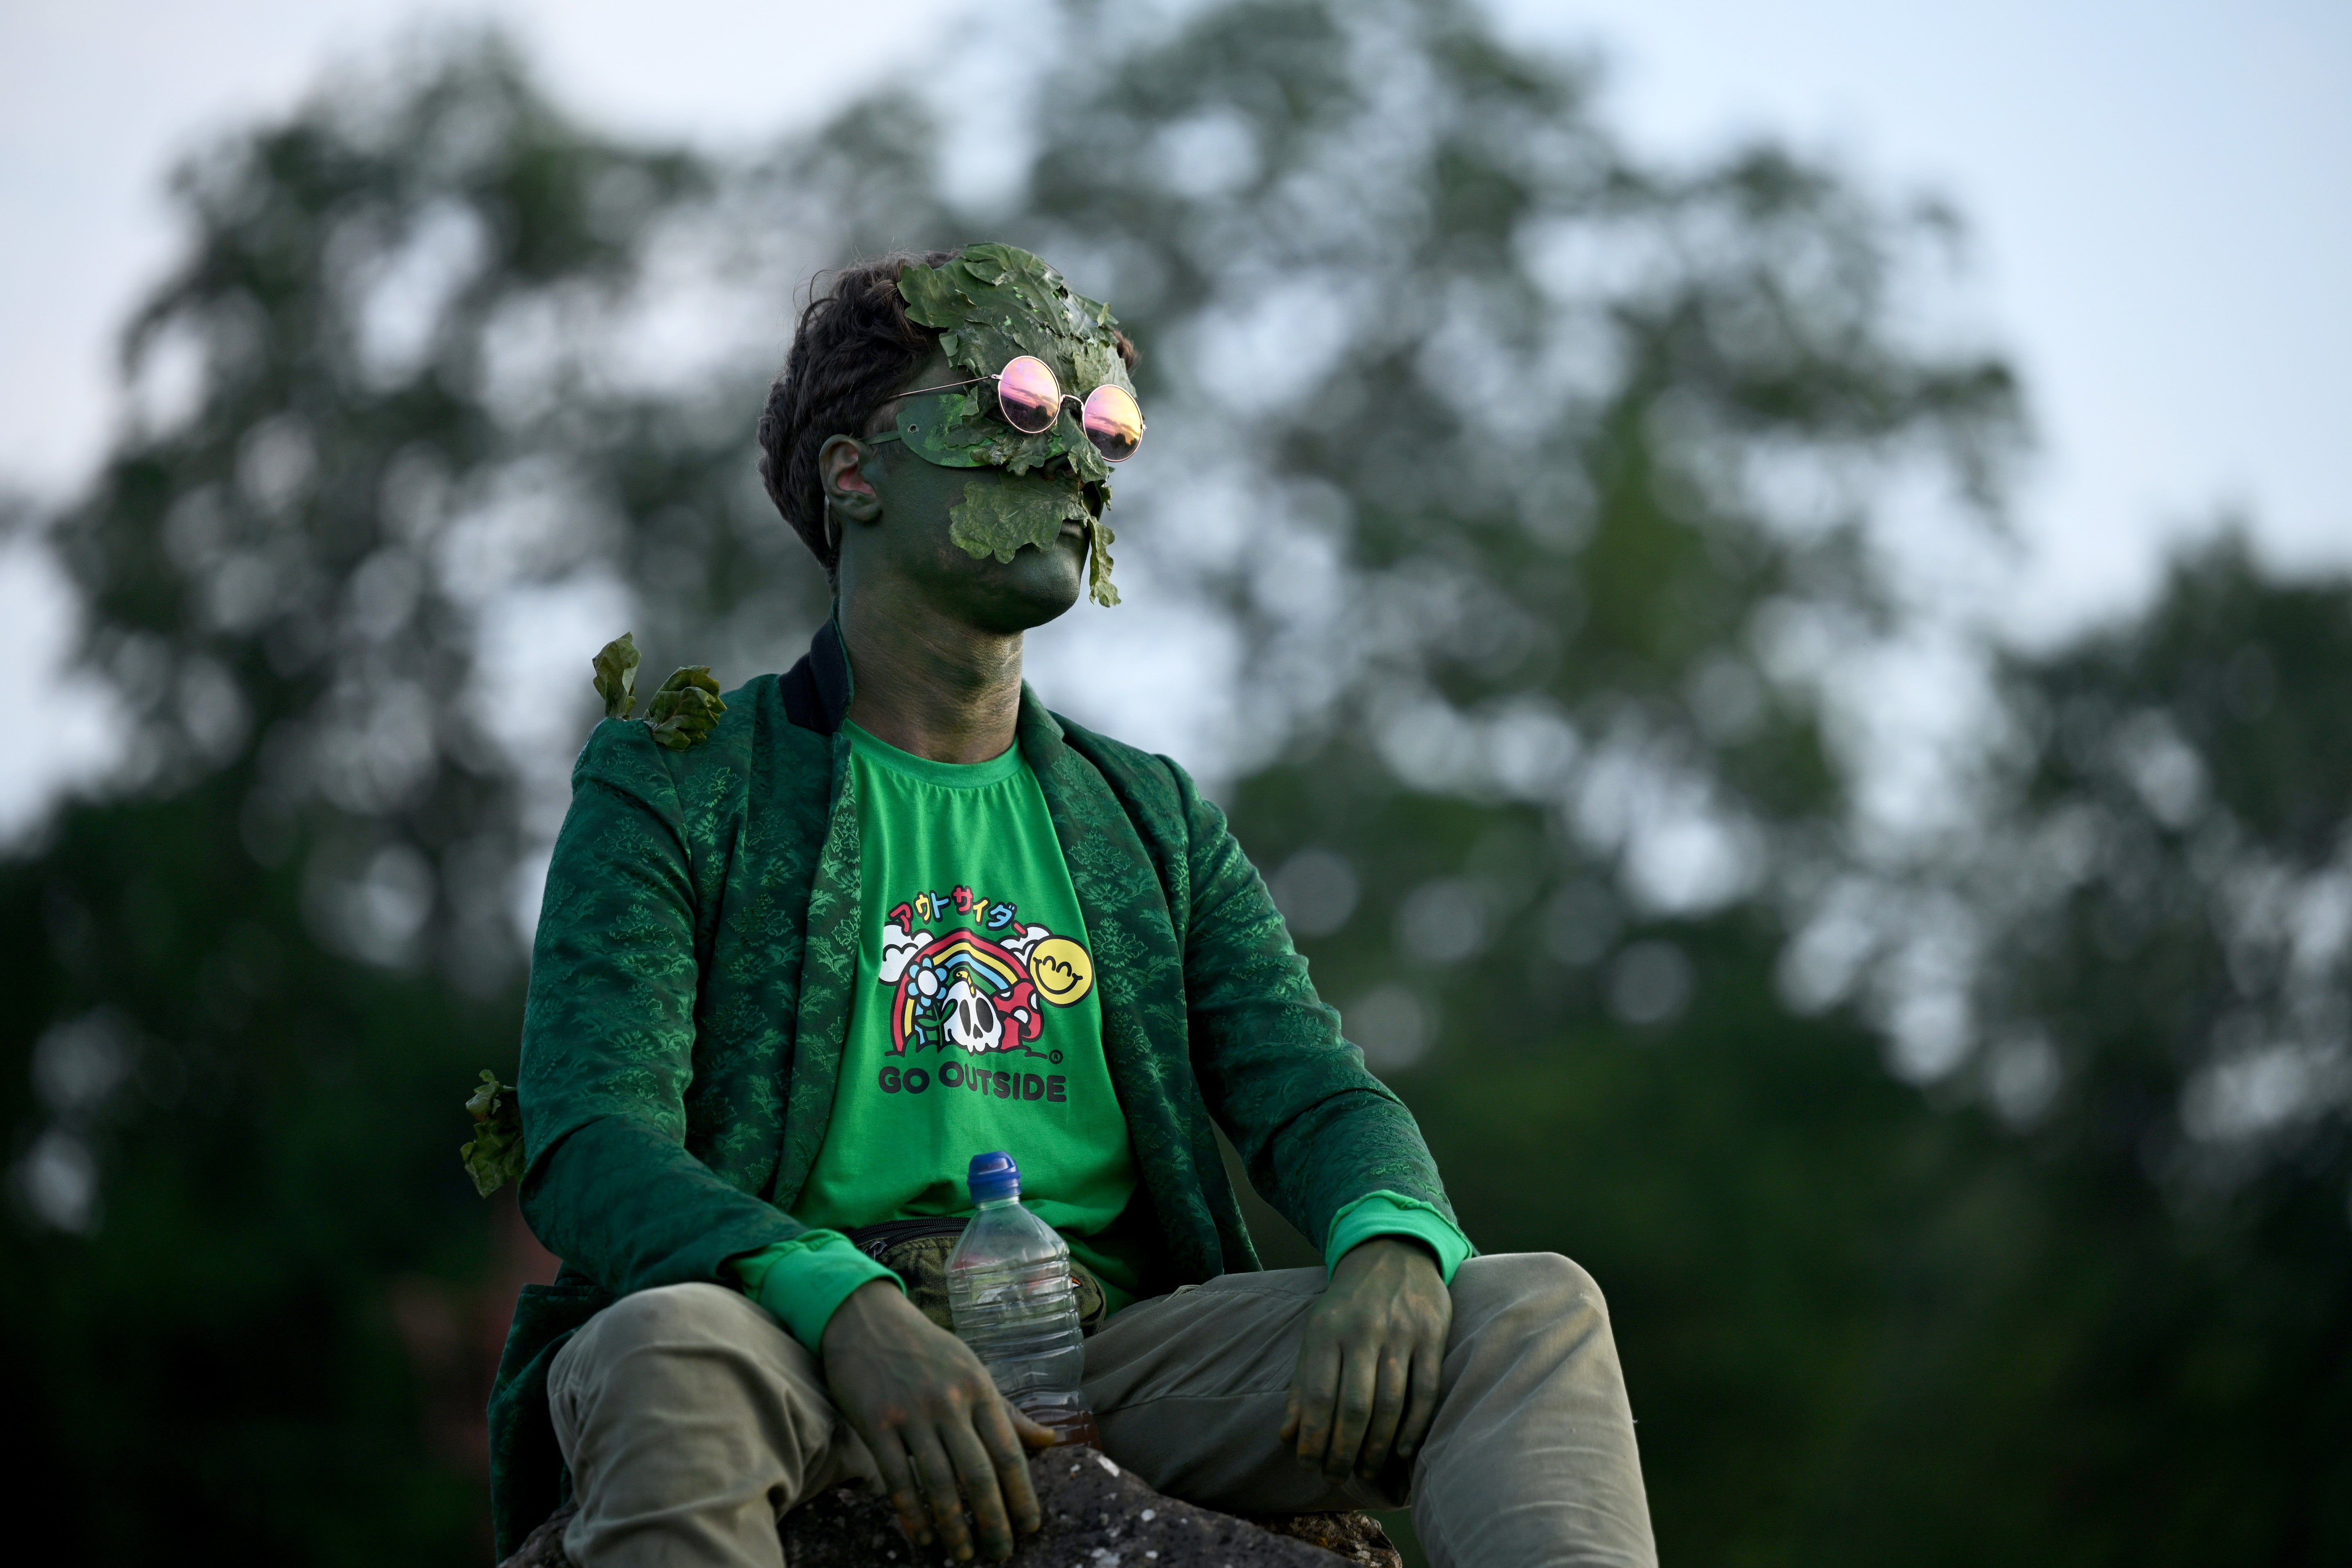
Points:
[1369,1366]
[937,1429]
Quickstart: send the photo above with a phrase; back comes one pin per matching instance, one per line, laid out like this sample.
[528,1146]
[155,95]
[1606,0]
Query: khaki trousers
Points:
[692,1423]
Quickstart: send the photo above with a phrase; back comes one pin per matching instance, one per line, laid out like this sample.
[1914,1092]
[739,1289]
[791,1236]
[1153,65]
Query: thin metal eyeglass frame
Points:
[1141,424]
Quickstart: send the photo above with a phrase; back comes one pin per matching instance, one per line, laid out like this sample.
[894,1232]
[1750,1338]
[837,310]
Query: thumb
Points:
[1032,1434]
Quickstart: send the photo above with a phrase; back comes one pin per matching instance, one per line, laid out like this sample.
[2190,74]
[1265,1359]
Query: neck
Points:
[928,684]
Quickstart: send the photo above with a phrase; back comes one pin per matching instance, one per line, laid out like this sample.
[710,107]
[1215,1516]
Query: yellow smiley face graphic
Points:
[1060,970]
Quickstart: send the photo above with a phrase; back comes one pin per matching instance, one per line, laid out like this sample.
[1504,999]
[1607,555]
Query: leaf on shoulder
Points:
[682,712]
[494,1156]
[616,676]
[686,708]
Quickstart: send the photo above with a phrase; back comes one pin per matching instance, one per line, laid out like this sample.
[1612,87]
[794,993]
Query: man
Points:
[892,913]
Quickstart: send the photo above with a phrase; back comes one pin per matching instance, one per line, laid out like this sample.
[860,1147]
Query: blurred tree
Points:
[392,458]
[1540,485]
[1524,465]
[2091,1299]
[2162,921]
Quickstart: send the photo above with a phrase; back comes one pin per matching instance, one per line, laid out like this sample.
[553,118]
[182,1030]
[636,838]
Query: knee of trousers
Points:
[1535,1288]
[656,1336]
[685,1315]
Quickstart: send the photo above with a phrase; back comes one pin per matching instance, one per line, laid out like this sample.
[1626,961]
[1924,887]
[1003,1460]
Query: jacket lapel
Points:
[1139,979]
[821,683]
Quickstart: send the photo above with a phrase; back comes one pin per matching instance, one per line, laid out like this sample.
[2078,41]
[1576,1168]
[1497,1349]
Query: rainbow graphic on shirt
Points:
[982,981]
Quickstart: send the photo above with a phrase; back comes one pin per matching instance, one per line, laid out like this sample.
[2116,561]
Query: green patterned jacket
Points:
[689,1000]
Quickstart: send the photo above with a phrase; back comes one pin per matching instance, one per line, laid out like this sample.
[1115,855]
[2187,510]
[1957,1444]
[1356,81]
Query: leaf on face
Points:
[686,708]
[952,430]
[995,302]
[494,1156]
[932,298]
[1098,543]
[949,429]
[1096,362]
[991,265]
[616,676]
[1019,508]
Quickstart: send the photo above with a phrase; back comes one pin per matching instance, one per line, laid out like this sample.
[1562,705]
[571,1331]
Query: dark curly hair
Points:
[853,349]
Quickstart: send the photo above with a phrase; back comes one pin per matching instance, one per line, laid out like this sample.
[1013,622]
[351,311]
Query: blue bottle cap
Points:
[993,1176]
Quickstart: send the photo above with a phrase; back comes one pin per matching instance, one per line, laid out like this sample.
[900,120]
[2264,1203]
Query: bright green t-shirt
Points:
[975,1026]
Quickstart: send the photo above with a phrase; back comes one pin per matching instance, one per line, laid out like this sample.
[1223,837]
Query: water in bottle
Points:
[1015,1303]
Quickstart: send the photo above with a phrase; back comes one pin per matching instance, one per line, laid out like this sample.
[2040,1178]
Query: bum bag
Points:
[916,1251]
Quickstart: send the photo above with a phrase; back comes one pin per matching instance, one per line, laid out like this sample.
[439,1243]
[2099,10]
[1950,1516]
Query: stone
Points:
[1355,1538]
[1097,1515]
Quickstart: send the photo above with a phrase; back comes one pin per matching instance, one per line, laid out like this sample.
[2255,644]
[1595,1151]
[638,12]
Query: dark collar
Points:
[816,690]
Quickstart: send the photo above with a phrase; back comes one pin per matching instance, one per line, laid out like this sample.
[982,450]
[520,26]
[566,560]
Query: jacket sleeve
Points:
[608,1041]
[1317,1132]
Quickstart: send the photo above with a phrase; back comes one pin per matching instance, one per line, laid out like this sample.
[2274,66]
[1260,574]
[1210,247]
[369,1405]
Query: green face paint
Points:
[993,304]
[1021,509]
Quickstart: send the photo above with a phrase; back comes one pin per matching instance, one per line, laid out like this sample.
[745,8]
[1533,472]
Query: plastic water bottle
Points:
[1017,1305]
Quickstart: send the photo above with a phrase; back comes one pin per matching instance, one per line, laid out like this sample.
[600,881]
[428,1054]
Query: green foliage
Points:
[1099,539]
[494,1156]
[276,1170]
[682,711]
[2165,902]
[995,303]
[686,708]
[289,920]
[1018,509]
[616,676]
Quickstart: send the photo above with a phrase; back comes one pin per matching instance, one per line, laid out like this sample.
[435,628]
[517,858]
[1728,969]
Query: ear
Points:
[846,489]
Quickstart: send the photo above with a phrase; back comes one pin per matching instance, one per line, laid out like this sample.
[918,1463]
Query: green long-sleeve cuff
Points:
[801,1281]
[1394,1214]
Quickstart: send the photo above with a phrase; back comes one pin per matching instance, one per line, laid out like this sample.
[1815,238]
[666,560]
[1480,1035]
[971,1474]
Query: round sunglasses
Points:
[1030,399]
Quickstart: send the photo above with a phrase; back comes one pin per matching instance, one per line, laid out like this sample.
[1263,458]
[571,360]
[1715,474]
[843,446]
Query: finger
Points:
[1315,1385]
[1000,1428]
[937,1473]
[898,1478]
[977,1472]
[1389,1394]
[1289,1419]
[1359,1376]
[1421,1409]
[1032,1434]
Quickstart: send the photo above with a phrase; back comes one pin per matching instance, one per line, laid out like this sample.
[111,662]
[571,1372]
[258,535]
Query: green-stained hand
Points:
[938,1431]
[1369,1369]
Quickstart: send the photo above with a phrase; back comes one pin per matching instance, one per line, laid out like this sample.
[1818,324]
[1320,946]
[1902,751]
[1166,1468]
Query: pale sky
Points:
[2160,194]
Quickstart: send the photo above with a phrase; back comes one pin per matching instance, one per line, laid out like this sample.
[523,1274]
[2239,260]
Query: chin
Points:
[1031,589]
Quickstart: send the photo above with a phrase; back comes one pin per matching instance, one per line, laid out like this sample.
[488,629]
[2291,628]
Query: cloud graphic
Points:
[898,947]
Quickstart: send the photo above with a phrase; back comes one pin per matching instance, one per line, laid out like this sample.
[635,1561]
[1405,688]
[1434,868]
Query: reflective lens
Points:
[1114,424]
[1028,396]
